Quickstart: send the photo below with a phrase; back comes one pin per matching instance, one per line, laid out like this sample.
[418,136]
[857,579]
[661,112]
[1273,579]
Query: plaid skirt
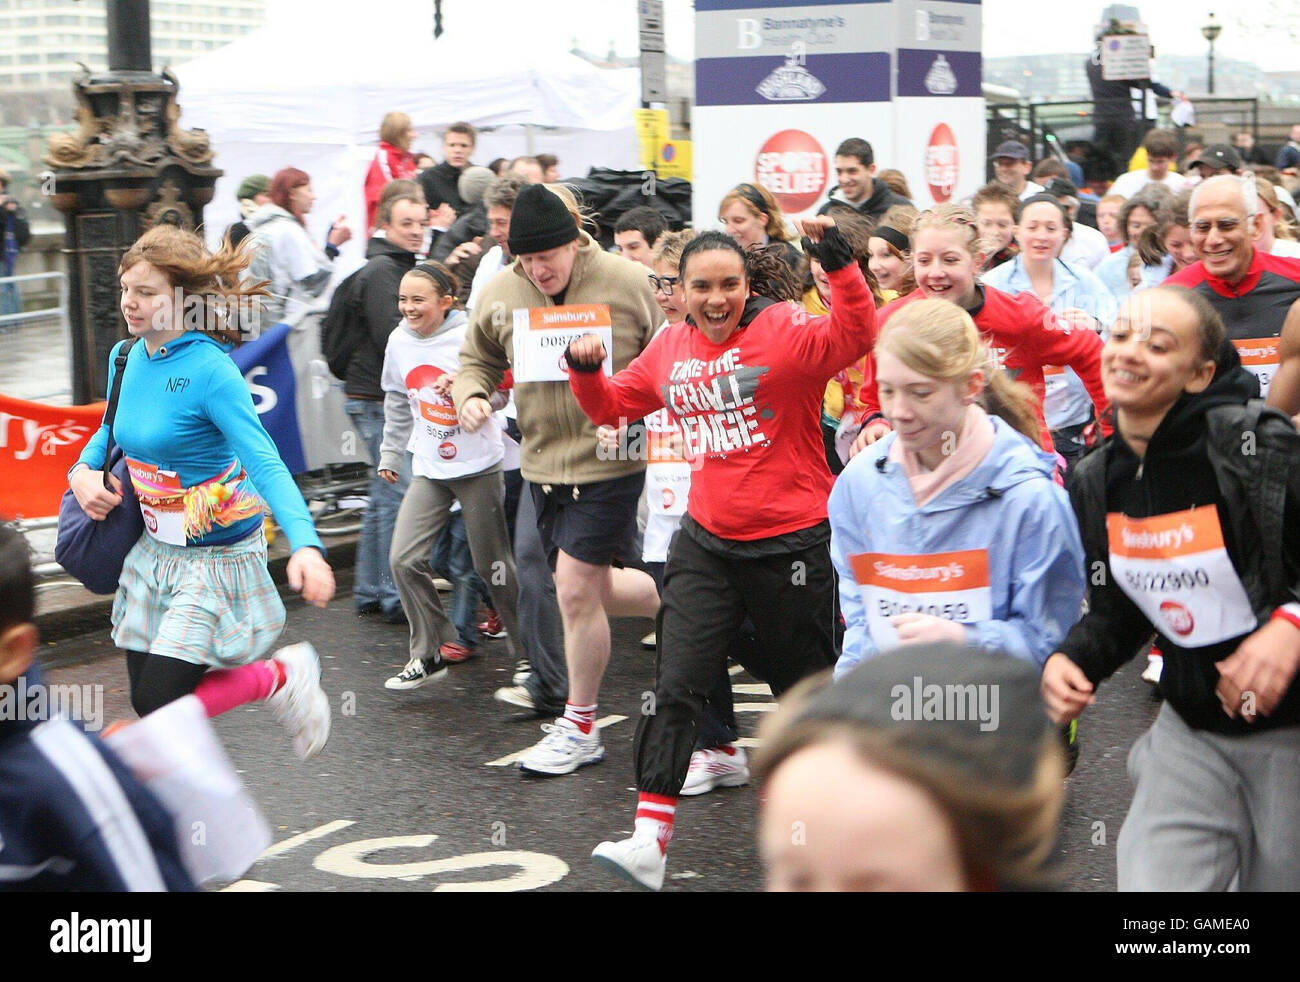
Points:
[208,605]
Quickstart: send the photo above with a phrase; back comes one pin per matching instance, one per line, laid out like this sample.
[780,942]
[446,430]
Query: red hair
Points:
[285,180]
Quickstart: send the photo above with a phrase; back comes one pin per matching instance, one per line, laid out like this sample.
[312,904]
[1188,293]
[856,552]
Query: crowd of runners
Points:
[1015,441]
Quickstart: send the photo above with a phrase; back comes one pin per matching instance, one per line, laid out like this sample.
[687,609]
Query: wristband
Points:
[872,417]
[1289,613]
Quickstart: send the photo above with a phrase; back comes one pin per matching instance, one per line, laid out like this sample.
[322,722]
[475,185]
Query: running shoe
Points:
[416,673]
[515,695]
[301,704]
[714,768]
[563,750]
[494,627]
[649,641]
[523,669]
[638,860]
[454,652]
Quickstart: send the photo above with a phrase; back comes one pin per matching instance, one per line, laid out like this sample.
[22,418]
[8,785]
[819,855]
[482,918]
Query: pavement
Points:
[417,790]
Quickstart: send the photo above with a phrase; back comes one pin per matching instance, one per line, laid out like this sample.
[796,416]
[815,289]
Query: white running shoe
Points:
[563,750]
[1154,667]
[637,860]
[515,695]
[715,769]
[301,704]
[416,673]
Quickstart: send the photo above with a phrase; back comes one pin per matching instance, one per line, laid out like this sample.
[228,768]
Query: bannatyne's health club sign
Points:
[779,86]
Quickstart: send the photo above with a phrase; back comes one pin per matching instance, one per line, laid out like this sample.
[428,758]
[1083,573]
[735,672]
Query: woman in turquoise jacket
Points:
[196,609]
[952,528]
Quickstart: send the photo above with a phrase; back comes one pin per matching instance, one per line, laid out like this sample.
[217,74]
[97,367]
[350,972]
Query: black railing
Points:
[1047,128]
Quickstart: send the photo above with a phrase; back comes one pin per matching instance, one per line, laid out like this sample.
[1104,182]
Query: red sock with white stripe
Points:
[654,816]
[583,717]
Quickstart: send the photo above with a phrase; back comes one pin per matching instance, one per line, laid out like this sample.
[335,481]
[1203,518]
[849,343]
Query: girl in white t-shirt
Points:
[448,465]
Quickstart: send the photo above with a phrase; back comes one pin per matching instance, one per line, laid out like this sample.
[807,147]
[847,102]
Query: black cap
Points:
[539,221]
[1011,148]
[1220,156]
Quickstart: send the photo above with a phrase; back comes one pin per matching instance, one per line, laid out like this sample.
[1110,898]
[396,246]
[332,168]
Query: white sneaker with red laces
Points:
[715,768]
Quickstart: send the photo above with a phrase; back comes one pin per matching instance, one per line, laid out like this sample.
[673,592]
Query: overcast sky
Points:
[1251,30]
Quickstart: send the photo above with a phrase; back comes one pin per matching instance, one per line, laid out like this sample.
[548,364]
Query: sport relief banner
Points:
[266,368]
[38,445]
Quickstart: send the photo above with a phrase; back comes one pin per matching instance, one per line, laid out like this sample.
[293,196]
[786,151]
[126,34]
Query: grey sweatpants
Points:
[1212,812]
[420,520]
[543,637]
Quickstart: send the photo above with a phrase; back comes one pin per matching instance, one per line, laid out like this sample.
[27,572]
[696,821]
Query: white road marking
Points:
[752,689]
[735,669]
[249,886]
[755,707]
[296,840]
[535,869]
[509,759]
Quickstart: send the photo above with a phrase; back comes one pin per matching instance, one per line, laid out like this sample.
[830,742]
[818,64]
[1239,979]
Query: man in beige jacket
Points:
[563,286]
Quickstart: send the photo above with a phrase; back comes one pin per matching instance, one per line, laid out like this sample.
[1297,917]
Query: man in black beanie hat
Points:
[562,286]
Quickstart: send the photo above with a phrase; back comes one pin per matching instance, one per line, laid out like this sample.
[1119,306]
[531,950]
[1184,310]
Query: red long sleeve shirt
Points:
[749,408]
[1025,335]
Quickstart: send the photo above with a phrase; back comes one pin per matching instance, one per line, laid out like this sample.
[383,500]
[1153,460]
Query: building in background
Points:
[41,41]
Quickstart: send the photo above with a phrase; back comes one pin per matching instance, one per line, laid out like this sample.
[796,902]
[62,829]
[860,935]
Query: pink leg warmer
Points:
[222,689]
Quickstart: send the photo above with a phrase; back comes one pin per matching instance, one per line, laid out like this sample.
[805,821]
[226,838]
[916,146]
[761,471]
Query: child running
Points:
[449,465]
[196,608]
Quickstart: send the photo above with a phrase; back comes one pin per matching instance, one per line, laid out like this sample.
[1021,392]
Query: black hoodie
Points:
[375,293]
[1178,472]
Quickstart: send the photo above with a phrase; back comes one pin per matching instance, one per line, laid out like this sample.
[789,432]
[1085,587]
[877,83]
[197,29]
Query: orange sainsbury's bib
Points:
[1176,569]
[951,585]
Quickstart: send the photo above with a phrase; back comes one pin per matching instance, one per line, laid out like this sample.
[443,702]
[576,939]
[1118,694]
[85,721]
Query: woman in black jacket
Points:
[1190,517]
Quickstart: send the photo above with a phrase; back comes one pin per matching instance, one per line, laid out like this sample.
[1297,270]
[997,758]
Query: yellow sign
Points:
[674,159]
[652,129]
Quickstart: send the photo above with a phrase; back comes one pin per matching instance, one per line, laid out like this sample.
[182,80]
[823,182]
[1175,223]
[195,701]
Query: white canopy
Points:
[309,89]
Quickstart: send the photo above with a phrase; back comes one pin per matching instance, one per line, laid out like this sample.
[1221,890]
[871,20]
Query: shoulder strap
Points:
[119,364]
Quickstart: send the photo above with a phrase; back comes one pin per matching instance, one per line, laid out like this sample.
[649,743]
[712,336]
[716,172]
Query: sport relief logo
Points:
[150,519]
[794,167]
[447,450]
[1178,617]
[942,163]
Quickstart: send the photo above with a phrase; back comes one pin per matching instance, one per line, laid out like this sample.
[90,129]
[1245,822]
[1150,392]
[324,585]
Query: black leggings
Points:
[157,680]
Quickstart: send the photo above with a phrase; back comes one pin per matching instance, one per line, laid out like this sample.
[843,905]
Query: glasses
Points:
[1224,225]
[664,284]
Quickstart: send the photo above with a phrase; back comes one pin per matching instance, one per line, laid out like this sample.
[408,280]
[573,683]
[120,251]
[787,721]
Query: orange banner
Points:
[38,444]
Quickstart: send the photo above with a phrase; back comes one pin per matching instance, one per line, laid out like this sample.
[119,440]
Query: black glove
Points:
[833,251]
[577,366]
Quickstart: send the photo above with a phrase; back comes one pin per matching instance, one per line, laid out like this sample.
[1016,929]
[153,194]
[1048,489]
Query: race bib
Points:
[1259,356]
[1054,381]
[1176,569]
[162,501]
[951,585]
[668,474]
[436,428]
[543,333]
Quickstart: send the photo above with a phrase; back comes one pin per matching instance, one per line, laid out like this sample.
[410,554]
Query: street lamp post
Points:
[1210,32]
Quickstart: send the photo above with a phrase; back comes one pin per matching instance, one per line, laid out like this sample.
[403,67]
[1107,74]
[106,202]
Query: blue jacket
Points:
[1009,505]
[187,409]
[73,817]
[1114,272]
[1067,403]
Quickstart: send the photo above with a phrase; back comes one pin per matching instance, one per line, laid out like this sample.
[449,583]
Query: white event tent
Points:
[309,89]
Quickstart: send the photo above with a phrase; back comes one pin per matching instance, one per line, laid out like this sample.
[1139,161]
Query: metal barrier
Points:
[1046,127]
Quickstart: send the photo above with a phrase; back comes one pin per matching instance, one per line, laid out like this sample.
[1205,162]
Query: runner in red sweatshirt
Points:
[1023,332]
[744,377]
